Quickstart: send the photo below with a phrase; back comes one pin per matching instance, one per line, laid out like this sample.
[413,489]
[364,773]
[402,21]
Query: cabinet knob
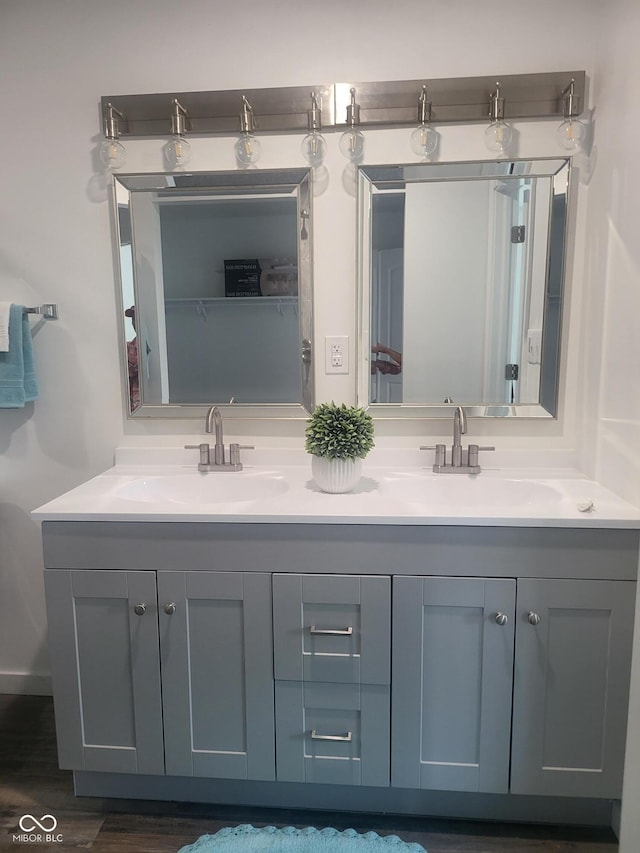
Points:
[533,618]
[501,618]
[140,609]
[170,608]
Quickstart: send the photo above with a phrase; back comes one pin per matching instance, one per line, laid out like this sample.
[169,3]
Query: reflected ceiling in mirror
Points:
[460,287]
[215,275]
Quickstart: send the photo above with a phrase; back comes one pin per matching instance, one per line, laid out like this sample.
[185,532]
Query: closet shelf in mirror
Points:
[220,303]
[231,300]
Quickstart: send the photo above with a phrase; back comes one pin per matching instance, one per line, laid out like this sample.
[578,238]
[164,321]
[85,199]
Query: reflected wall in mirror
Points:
[461,281]
[215,272]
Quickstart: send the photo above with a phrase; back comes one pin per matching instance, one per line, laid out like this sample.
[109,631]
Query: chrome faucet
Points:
[463,460]
[459,429]
[213,423]
[214,419]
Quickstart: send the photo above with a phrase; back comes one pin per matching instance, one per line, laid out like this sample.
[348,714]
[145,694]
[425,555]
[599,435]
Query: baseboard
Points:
[443,804]
[616,815]
[25,683]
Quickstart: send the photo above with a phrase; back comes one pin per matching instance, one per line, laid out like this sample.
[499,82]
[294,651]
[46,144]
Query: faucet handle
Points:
[440,450]
[234,452]
[204,451]
[472,455]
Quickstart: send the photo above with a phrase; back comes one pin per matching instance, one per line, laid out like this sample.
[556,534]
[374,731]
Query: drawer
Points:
[332,628]
[332,733]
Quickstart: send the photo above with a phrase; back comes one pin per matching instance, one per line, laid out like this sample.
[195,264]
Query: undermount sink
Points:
[209,488]
[468,492]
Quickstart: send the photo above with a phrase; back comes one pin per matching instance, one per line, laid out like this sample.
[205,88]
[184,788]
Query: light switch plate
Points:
[336,352]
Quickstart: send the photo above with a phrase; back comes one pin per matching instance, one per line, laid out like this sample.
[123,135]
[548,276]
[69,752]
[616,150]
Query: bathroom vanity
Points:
[354,651]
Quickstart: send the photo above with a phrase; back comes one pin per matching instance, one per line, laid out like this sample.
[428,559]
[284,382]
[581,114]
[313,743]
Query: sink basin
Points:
[467,492]
[209,488]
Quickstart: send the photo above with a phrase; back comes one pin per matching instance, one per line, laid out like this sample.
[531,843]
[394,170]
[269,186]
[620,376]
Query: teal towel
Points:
[18,384]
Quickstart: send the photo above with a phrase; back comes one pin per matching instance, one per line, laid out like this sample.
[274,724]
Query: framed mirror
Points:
[460,287]
[216,283]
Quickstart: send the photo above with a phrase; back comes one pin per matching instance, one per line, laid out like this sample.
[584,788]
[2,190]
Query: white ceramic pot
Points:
[336,475]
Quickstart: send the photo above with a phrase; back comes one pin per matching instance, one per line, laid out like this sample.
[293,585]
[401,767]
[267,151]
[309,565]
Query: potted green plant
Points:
[338,437]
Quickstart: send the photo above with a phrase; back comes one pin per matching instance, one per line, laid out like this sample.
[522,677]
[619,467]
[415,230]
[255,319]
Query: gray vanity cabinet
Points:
[217,674]
[103,644]
[455,667]
[416,669]
[332,669]
[571,685]
[452,679]
[210,713]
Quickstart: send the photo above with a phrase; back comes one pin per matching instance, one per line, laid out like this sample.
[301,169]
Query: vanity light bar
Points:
[462,99]
[218,112]
[457,99]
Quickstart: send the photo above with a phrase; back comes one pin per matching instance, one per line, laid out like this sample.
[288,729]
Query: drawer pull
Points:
[344,738]
[334,632]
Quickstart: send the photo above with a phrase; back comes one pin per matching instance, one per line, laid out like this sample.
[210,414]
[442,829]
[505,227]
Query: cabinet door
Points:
[333,628]
[452,668]
[571,686]
[217,674]
[106,670]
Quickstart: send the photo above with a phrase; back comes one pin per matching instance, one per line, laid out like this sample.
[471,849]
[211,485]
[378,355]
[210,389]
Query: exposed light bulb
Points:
[352,145]
[112,154]
[352,140]
[178,152]
[247,149]
[424,140]
[498,136]
[571,134]
[314,148]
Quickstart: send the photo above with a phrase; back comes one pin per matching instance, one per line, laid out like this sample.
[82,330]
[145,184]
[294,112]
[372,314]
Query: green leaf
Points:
[339,432]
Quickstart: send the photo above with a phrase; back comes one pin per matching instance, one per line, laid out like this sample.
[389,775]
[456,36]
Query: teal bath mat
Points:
[268,839]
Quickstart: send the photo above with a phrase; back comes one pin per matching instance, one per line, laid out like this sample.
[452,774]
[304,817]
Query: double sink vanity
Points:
[426,644]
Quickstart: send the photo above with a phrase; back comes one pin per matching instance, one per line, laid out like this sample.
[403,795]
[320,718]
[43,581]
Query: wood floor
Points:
[32,784]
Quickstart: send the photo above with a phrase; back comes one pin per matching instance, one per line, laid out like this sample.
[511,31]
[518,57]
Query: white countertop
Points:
[560,497]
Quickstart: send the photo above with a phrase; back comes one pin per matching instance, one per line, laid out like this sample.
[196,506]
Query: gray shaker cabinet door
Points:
[452,683]
[106,670]
[332,628]
[217,674]
[571,684]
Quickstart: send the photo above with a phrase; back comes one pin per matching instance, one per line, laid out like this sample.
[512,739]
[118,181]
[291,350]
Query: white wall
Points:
[57,57]
[56,60]
[611,318]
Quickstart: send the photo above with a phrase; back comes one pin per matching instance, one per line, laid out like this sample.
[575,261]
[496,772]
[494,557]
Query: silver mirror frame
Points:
[557,168]
[296,181]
